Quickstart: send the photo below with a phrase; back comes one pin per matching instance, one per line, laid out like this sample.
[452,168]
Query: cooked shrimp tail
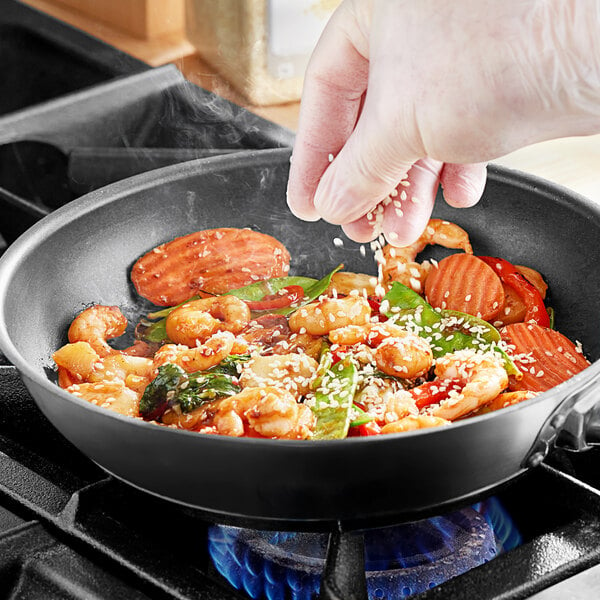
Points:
[398,264]
[97,324]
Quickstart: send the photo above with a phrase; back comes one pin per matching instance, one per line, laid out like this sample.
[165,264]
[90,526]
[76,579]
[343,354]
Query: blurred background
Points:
[253,52]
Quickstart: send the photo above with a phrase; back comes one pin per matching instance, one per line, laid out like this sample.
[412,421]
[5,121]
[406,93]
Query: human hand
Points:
[427,92]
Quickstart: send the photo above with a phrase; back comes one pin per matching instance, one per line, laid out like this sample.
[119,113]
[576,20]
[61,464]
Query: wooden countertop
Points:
[572,162]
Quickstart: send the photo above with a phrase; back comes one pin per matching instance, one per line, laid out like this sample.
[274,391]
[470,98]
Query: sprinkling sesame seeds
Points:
[415,284]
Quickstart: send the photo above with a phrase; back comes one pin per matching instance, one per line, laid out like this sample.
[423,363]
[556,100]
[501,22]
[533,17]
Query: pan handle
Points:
[574,424]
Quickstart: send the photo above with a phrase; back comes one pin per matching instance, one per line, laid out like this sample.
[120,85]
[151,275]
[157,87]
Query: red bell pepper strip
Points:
[536,309]
[375,304]
[370,428]
[285,297]
[434,392]
[338,354]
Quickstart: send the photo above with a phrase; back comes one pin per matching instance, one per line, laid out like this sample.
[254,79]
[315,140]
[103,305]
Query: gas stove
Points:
[68,530]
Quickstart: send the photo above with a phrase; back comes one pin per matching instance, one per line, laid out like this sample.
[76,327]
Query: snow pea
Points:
[334,388]
[446,330]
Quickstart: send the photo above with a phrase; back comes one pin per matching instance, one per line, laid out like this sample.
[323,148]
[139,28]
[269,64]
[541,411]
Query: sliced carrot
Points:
[465,283]
[545,357]
[213,261]
[514,309]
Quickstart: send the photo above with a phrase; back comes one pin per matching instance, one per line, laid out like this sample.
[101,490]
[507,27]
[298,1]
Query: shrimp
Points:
[398,406]
[198,358]
[413,422]
[344,282]
[135,372]
[114,395]
[406,356]
[372,334]
[292,372]
[383,397]
[78,358]
[503,400]
[398,264]
[269,411]
[319,318]
[97,324]
[484,378]
[79,362]
[200,319]
[397,352]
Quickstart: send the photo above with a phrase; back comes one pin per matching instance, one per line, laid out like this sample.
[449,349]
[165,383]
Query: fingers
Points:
[406,214]
[366,170]
[463,184]
[405,219]
[334,85]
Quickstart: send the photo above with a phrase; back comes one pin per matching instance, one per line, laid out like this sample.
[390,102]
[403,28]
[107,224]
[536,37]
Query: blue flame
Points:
[400,561]
[507,535]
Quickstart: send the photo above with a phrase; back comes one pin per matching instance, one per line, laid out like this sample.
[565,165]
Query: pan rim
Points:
[79,208]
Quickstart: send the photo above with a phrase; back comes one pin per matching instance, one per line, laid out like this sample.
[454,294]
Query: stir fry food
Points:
[242,348]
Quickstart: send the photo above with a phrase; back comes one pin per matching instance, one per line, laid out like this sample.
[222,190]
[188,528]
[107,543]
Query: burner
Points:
[400,561]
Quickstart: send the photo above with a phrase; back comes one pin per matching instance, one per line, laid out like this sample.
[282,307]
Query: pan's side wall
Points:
[82,253]
[386,479]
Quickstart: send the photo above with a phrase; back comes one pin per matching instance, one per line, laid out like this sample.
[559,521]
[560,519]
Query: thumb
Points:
[368,168]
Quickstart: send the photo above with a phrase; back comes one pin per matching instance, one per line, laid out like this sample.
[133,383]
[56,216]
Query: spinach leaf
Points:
[201,388]
[160,392]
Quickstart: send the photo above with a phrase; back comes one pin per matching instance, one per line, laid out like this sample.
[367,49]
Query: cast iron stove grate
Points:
[69,531]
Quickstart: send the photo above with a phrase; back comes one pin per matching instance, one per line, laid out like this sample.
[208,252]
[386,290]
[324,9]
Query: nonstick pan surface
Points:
[82,254]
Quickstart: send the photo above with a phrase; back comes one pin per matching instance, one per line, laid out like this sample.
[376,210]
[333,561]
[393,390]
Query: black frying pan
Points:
[82,254]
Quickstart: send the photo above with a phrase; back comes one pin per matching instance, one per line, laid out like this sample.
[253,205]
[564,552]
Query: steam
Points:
[196,118]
